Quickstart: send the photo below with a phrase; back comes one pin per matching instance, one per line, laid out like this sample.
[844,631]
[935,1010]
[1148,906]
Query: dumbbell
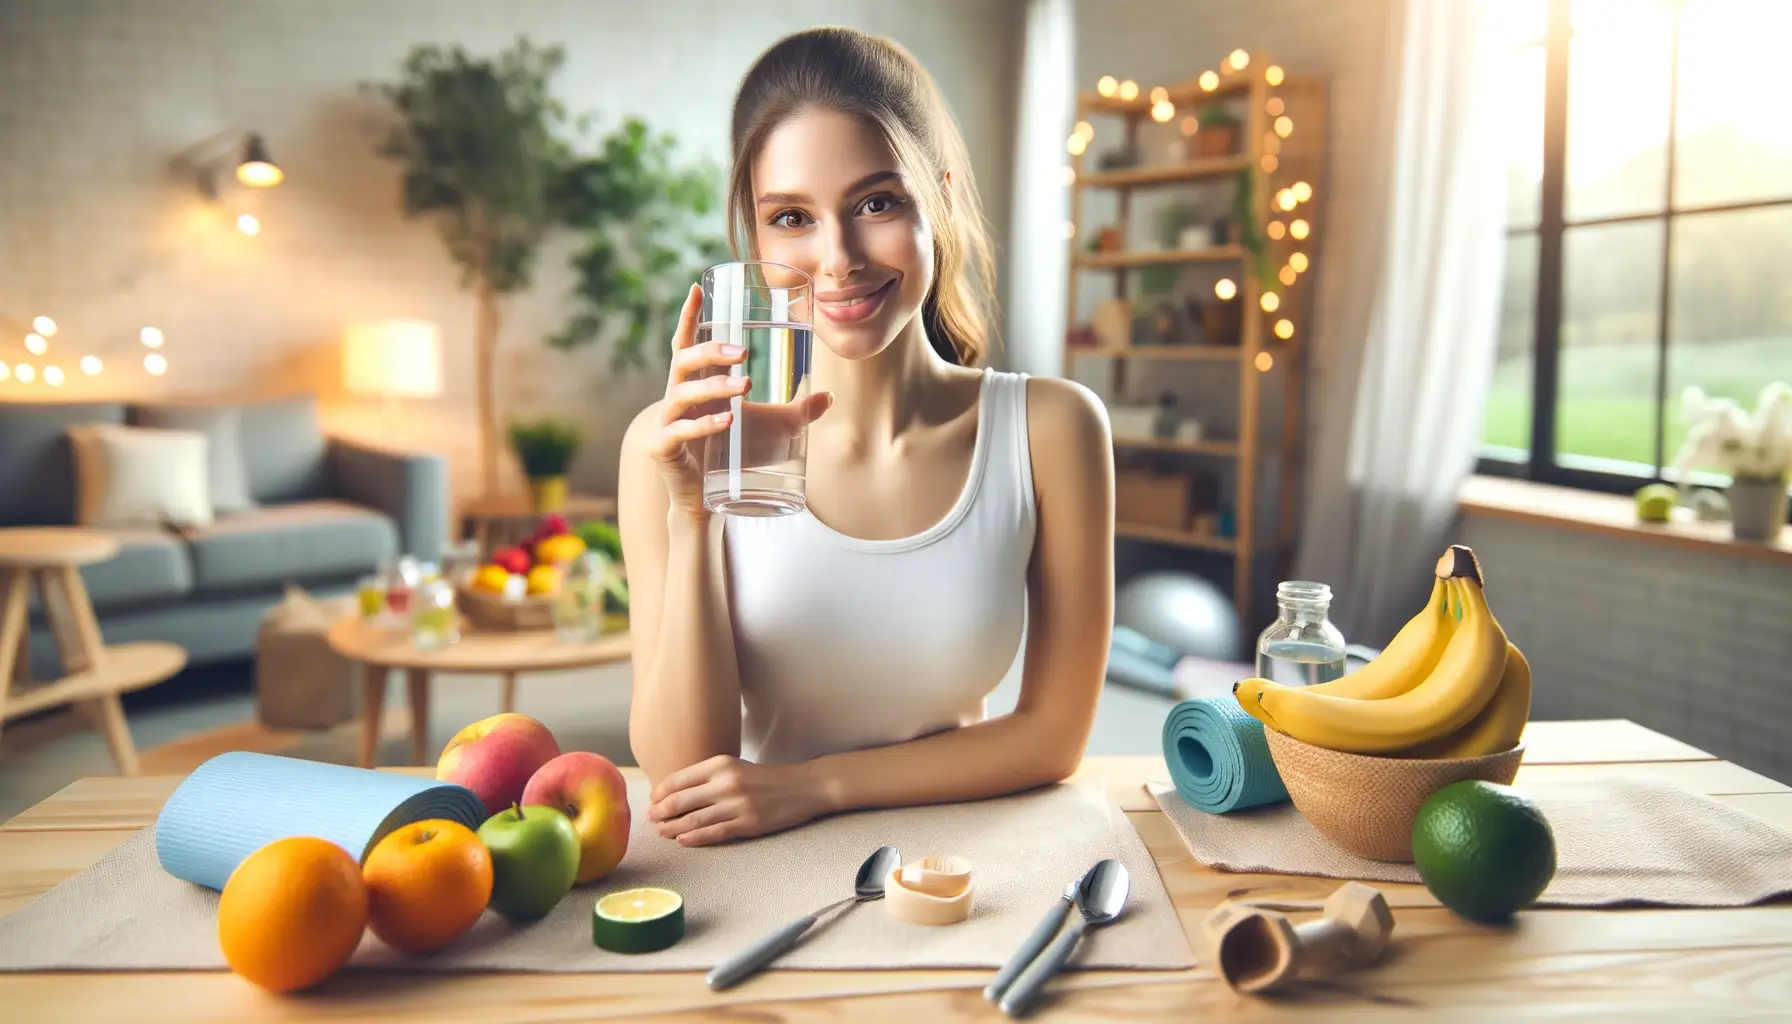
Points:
[1253,949]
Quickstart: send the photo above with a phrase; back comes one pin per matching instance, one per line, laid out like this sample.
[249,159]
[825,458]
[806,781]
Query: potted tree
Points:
[484,150]
[545,448]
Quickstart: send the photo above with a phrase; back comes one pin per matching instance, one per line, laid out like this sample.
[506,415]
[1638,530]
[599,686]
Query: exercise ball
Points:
[1180,610]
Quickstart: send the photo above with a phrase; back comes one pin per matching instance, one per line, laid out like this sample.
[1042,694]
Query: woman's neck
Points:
[876,399]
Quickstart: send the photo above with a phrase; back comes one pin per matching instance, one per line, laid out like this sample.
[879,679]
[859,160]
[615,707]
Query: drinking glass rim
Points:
[808,281]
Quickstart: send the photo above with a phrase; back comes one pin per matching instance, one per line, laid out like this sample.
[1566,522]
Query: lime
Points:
[1484,850]
[638,920]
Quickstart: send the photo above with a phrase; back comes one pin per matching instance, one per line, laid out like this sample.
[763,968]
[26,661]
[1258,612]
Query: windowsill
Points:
[1612,515]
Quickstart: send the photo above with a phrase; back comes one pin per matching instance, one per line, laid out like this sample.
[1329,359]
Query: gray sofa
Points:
[328,511]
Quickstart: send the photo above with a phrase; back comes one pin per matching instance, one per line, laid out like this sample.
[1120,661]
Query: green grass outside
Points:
[1607,407]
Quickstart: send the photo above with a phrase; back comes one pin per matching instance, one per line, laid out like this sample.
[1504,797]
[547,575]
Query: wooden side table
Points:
[381,650]
[94,674]
[510,518]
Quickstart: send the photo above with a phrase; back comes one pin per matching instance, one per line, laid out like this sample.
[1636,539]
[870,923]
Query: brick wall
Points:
[1696,645]
[96,98]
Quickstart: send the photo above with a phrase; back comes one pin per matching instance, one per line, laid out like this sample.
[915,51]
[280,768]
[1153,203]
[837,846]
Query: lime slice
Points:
[638,920]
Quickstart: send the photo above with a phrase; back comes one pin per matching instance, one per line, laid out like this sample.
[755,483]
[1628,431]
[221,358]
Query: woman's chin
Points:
[859,341]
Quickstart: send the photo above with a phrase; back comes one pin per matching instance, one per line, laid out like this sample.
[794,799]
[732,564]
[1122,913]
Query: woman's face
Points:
[831,200]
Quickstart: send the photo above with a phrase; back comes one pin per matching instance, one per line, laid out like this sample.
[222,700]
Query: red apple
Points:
[591,791]
[494,757]
[512,559]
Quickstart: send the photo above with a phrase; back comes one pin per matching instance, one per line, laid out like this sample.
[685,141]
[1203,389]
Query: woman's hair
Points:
[876,79]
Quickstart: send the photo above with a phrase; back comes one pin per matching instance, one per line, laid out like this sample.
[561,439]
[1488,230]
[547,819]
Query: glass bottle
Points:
[1302,647]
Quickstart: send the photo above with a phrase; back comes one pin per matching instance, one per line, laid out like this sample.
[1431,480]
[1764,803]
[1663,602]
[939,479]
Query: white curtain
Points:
[1390,452]
[1038,254]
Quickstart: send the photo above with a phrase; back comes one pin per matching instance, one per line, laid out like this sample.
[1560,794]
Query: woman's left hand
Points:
[727,798]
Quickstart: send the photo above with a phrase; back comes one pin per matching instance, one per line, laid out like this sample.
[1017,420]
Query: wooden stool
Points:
[94,674]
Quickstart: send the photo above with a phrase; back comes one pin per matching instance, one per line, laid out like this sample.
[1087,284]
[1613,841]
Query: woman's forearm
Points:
[686,705]
[990,758]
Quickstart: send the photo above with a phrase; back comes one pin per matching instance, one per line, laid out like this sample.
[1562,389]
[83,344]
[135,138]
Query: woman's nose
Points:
[841,254]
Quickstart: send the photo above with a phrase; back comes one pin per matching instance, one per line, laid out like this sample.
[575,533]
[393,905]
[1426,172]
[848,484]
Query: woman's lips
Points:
[846,311]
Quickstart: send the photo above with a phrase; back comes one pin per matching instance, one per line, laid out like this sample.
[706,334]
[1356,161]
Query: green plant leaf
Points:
[545,446]
[483,148]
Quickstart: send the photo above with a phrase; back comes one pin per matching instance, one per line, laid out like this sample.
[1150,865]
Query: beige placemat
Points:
[125,912]
[1619,839]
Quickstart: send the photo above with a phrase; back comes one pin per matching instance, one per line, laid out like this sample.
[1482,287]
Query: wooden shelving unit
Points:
[1130,260]
[1281,143]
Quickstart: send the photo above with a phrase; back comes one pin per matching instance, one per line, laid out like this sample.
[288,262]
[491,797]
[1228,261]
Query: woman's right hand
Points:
[699,388]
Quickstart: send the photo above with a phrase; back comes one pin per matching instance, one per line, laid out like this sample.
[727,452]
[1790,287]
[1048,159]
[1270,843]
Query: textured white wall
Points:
[96,97]
[1695,645]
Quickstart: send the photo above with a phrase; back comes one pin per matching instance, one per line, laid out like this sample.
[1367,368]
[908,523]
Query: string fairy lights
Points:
[1286,223]
[43,360]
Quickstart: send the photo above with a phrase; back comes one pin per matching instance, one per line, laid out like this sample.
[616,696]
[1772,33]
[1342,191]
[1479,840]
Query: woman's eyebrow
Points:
[799,198]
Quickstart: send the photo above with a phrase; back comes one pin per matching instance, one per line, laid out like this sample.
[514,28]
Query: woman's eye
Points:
[788,219]
[881,203]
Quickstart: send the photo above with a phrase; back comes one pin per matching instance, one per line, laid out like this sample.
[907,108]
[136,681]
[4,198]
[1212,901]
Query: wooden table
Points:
[94,675]
[510,518]
[1602,964]
[381,650]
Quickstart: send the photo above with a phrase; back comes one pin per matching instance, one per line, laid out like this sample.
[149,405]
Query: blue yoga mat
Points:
[236,803]
[1218,757]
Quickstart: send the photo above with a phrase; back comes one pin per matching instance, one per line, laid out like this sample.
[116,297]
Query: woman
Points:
[791,667]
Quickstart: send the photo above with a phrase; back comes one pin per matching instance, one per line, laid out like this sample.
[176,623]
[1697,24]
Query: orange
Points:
[292,913]
[491,579]
[427,883]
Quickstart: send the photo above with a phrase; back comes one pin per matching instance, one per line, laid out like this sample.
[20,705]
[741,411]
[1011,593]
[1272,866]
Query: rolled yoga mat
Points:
[1218,757]
[236,803]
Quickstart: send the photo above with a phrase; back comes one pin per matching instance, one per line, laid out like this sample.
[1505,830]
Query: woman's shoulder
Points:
[1062,411]
[1071,450]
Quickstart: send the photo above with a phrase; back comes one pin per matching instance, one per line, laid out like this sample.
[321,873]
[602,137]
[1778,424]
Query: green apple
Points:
[1655,502]
[535,857]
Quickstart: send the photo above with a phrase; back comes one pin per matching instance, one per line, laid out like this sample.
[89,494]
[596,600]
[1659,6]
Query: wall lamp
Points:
[243,153]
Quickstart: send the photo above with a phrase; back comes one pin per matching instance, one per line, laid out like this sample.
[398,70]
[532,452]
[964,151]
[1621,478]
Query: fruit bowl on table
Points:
[504,614]
[1367,804]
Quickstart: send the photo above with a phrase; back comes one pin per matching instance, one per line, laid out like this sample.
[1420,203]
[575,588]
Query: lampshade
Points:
[393,358]
[257,169]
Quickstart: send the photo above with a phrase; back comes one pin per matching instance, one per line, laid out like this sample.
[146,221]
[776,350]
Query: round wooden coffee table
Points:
[380,650]
[94,675]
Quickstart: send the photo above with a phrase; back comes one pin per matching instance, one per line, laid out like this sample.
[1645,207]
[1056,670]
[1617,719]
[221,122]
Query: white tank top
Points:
[846,643]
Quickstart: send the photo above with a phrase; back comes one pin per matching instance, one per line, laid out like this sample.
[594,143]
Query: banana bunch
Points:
[1449,685]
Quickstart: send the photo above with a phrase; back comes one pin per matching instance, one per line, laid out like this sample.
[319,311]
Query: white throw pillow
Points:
[140,476]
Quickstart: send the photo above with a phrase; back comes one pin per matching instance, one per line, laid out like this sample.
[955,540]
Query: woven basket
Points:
[1367,804]
[497,614]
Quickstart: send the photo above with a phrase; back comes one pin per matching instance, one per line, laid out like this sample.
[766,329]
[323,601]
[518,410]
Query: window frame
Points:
[1542,462]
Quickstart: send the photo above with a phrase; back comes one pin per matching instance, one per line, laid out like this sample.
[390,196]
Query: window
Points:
[1649,200]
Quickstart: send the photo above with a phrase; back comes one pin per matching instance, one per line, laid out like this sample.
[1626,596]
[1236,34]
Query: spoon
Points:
[868,886]
[1100,897]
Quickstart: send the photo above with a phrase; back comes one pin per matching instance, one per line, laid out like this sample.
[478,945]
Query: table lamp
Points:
[393,359]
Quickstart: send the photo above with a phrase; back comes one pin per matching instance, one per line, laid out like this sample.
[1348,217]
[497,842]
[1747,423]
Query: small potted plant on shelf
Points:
[545,447]
[1755,450]
[1217,135]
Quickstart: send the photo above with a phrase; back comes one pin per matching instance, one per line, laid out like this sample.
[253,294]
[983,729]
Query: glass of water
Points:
[756,467]
[435,624]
